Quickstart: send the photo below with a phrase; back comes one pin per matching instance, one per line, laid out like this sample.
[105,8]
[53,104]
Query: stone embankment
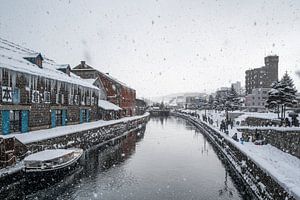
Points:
[258,183]
[86,138]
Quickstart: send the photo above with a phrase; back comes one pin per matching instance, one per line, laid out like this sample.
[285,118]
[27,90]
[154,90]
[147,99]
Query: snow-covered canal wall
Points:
[84,136]
[255,178]
[89,135]
[286,139]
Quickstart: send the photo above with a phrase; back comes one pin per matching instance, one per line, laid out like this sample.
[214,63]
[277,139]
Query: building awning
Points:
[106,105]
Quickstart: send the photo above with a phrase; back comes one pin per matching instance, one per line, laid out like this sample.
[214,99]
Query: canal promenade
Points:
[269,168]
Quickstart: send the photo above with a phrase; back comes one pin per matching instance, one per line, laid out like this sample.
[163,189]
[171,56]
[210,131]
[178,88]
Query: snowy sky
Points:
[160,46]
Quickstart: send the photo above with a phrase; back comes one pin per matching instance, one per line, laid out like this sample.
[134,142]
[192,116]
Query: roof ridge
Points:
[17,46]
[21,49]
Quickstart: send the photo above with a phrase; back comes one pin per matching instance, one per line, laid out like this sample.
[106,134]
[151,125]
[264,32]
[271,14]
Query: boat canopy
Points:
[48,155]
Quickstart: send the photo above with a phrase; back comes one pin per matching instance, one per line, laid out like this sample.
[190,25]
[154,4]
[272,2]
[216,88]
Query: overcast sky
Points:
[160,46]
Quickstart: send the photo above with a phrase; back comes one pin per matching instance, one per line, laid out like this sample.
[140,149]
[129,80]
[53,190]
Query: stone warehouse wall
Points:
[262,185]
[40,115]
[90,138]
[287,141]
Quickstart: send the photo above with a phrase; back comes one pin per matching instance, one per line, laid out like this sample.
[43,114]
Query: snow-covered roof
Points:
[62,66]
[48,154]
[29,55]
[85,67]
[106,105]
[116,80]
[12,58]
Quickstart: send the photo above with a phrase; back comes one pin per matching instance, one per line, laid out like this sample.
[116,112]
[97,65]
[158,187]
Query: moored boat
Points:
[51,164]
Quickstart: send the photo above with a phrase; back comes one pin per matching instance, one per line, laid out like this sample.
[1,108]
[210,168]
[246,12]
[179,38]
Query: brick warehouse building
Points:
[117,92]
[37,93]
[264,76]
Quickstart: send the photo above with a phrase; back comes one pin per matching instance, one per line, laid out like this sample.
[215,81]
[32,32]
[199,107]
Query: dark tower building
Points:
[264,76]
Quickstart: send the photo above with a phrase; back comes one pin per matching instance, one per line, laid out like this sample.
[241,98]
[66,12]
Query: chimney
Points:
[83,64]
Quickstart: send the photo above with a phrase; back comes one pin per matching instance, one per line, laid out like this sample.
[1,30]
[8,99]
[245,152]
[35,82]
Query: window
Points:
[35,97]
[83,113]
[47,97]
[15,121]
[71,101]
[58,117]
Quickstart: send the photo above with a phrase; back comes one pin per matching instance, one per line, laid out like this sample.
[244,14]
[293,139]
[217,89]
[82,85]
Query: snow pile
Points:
[257,115]
[106,105]
[11,169]
[48,154]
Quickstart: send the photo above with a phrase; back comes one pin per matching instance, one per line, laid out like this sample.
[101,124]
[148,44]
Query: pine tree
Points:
[210,100]
[232,100]
[288,89]
[282,95]
[274,98]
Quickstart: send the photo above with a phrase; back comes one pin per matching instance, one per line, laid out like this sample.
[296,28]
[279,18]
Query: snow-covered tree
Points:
[274,98]
[289,90]
[282,95]
[232,100]
[219,102]
[211,100]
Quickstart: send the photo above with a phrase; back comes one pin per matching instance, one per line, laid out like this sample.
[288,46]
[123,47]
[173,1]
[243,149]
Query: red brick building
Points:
[117,92]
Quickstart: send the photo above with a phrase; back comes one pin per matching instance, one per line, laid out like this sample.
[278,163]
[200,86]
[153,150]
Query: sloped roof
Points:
[106,105]
[12,58]
[87,67]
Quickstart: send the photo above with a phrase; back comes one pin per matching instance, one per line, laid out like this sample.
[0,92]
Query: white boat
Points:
[51,163]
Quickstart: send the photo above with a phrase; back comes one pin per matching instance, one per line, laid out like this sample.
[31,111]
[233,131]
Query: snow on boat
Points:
[51,163]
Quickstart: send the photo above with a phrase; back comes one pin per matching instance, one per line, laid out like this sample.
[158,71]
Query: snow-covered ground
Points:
[12,169]
[283,167]
[44,134]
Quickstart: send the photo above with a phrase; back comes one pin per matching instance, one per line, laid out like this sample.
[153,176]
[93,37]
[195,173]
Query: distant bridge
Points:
[159,112]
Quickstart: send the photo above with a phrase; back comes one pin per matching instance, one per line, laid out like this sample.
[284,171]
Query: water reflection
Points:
[170,160]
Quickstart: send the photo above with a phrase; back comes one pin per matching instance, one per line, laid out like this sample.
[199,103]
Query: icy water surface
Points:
[170,161]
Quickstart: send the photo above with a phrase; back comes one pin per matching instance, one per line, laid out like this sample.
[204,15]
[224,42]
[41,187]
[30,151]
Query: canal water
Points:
[170,160]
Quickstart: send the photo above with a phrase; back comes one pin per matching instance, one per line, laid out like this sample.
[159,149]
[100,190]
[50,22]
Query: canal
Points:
[170,160]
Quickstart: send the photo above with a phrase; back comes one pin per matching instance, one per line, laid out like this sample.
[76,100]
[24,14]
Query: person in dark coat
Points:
[235,137]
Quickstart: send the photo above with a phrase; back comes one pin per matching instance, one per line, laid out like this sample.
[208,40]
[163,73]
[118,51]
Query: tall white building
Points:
[238,87]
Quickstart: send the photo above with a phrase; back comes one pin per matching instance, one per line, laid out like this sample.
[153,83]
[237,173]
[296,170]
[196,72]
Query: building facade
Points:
[264,76]
[117,92]
[257,99]
[141,106]
[38,93]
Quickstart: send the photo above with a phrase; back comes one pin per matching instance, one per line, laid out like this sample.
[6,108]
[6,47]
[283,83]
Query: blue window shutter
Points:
[80,116]
[53,120]
[24,121]
[5,122]
[87,115]
[64,117]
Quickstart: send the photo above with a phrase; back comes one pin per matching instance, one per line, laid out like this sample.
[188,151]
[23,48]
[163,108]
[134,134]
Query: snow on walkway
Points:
[44,134]
[281,166]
